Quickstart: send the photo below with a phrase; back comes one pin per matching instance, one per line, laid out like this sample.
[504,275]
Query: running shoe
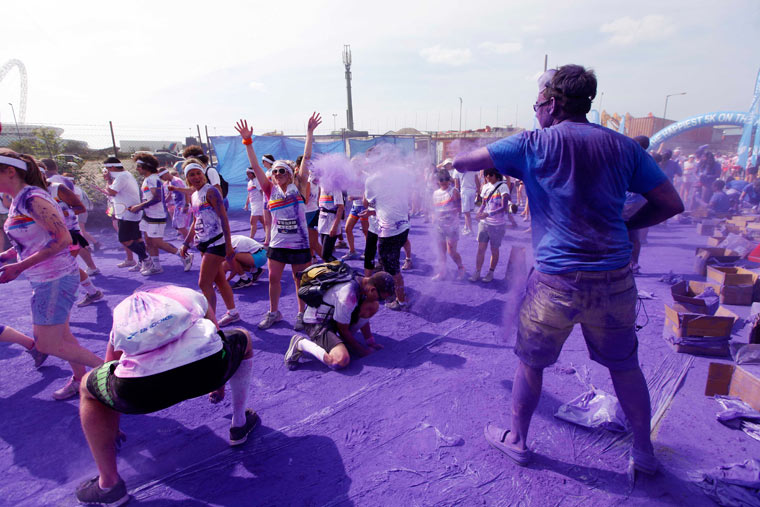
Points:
[242,283]
[89,493]
[407,264]
[255,276]
[187,261]
[293,354]
[270,319]
[488,277]
[475,277]
[151,269]
[438,277]
[228,318]
[341,244]
[137,266]
[38,356]
[92,271]
[466,232]
[126,264]
[89,299]
[461,274]
[351,256]
[239,434]
[69,390]
[298,326]
[397,305]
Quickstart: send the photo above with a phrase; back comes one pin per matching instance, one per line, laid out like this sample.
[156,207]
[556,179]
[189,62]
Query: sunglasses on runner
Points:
[441,180]
[279,171]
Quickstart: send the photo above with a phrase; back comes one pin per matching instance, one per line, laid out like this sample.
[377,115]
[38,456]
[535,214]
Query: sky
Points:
[158,69]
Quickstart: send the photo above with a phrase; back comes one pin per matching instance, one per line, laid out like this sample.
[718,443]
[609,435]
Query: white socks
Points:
[88,286]
[312,349]
[155,260]
[239,384]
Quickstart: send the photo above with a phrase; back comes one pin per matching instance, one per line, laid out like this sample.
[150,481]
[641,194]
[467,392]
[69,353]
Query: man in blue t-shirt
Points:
[576,175]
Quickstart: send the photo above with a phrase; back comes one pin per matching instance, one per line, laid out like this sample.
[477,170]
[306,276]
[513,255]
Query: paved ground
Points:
[403,426]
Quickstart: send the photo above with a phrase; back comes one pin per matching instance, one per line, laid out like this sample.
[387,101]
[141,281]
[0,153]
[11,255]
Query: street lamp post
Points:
[335,118]
[460,114]
[667,97]
[18,132]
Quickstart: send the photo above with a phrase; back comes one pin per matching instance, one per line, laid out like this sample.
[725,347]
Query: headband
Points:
[190,167]
[267,159]
[249,170]
[163,172]
[282,165]
[114,164]
[14,162]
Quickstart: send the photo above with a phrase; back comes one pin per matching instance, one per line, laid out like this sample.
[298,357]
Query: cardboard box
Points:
[685,292]
[715,241]
[741,381]
[705,229]
[755,274]
[683,322]
[729,276]
[702,335]
[706,255]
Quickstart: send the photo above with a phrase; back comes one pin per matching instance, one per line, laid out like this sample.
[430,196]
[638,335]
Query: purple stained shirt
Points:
[576,176]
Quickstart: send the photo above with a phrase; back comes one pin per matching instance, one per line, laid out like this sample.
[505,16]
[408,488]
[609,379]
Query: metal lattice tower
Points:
[22,75]
[347,63]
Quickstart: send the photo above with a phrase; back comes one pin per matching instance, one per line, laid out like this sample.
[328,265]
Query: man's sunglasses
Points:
[536,106]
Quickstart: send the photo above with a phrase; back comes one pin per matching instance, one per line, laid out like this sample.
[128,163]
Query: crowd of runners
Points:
[170,336]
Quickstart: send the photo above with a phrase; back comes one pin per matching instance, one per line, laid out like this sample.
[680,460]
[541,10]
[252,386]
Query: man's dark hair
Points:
[384,283]
[443,174]
[643,141]
[667,155]
[718,185]
[493,172]
[195,151]
[574,88]
[752,170]
[657,157]
[147,161]
[112,160]
[50,164]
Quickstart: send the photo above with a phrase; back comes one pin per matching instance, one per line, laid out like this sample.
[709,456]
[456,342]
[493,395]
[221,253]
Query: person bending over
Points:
[164,348]
[347,308]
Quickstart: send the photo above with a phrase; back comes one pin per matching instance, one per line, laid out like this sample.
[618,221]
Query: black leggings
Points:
[328,246]
[370,250]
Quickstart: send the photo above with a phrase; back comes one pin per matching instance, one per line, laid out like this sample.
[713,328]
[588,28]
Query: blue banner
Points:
[702,120]
[233,161]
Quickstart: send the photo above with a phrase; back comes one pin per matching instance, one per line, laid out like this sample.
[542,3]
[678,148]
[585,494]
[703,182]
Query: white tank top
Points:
[207,222]
[288,219]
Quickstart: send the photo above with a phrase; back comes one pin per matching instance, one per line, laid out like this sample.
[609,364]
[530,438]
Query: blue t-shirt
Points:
[737,185]
[576,176]
[720,202]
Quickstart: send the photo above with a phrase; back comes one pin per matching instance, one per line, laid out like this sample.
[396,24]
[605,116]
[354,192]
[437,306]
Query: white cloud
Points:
[501,48]
[626,30]
[530,28]
[256,86]
[455,57]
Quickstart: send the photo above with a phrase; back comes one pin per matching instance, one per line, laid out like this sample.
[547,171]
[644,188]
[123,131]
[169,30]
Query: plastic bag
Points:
[594,409]
[745,353]
[738,415]
[146,321]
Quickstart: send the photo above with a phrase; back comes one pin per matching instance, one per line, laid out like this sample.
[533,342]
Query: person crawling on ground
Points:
[347,307]
[165,347]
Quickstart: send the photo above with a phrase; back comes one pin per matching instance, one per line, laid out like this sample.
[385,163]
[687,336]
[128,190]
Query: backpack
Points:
[222,182]
[317,279]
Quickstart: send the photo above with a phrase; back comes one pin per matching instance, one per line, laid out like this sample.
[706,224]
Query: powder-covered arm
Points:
[46,216]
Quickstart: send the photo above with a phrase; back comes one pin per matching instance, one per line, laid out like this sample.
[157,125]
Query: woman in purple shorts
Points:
[40,240]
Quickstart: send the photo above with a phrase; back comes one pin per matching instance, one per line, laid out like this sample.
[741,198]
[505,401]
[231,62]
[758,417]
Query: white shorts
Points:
[468,200]
[257,207]
[152,230]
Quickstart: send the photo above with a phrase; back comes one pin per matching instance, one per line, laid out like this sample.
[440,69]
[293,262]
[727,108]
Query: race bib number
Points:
[287,227]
